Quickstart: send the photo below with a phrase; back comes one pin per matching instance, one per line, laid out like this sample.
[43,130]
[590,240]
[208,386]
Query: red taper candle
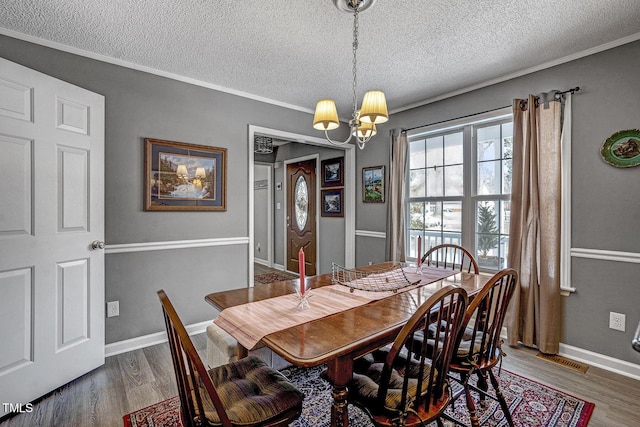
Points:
[301,271]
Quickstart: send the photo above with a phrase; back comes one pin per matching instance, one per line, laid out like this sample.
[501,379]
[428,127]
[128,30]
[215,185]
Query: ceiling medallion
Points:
[347,5]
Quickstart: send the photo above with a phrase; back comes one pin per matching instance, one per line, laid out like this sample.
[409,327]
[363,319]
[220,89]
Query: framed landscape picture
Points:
[184,177]
[332,203]
[373,184]
[333,172]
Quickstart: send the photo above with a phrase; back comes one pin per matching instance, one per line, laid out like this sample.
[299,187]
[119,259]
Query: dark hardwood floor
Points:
[136,379]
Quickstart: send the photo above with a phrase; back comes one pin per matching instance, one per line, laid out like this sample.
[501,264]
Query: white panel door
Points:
[51,210]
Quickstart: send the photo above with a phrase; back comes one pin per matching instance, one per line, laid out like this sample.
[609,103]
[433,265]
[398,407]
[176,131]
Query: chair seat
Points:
[368,373]
[251,392]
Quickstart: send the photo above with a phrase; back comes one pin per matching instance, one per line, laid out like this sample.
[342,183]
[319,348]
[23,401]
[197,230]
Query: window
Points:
[459,185]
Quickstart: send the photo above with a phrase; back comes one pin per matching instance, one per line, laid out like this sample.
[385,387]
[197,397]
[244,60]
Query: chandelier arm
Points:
[326,135]
[360,141]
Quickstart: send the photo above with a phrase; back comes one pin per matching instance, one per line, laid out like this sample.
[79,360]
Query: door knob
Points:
[97,244]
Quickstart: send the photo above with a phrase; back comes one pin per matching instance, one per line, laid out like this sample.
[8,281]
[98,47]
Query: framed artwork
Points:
[332,203]
[184,177]
[333,172]
[373,184]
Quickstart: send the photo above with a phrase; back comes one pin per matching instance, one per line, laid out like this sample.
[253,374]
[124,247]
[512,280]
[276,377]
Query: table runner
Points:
[249,323]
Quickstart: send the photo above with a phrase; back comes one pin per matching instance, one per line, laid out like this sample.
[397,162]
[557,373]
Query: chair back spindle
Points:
[450,256]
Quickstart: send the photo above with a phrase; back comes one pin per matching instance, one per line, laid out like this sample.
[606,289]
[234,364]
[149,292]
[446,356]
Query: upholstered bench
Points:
[222,348]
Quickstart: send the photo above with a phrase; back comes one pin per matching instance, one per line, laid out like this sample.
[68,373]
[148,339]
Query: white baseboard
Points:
[261,261]
[602,361]
[149,340]
[608,363]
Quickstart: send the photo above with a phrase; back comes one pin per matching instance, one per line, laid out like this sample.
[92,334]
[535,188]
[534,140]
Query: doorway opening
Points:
[278,210]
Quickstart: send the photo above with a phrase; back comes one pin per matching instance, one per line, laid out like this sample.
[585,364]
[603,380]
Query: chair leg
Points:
[482,385]
[475,422]
[500,396]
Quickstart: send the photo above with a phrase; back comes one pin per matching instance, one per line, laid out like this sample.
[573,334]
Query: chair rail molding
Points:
[606,255]
[374,234]
[175,244]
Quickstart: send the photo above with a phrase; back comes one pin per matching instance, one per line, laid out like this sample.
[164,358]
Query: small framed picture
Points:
[333,172]
[332,202]
[373,184]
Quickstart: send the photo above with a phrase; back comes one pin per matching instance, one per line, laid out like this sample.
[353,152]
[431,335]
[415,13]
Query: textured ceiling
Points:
[296,52]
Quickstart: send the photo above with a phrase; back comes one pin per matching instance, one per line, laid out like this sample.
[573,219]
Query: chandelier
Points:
[374,105]
[263,145]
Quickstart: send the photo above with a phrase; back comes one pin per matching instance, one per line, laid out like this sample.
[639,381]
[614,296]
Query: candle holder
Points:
[303,299]
[419,268]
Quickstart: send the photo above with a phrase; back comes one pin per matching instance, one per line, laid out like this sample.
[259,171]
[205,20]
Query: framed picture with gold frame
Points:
[184,177]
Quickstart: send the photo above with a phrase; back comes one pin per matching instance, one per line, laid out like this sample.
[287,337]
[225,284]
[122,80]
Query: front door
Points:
[301,215]
[51,210]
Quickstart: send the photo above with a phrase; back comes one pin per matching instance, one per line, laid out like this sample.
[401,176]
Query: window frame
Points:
[469,199]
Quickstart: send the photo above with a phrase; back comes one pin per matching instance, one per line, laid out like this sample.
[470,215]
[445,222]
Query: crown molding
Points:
[544,66]
[145,69]
[107,59]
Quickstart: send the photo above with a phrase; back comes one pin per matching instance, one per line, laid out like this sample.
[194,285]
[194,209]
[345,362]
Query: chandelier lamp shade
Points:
[373,110]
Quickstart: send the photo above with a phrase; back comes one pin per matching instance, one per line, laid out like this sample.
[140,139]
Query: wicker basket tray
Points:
[388,279]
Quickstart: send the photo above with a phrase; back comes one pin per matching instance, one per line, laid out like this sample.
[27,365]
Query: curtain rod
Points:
[557,95]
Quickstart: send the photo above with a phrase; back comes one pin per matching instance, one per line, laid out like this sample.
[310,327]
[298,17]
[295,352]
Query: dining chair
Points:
[451,256]
[395,389]
[479,346]
[244,393]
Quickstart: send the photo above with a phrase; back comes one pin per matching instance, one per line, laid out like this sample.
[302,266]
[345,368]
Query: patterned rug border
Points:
[126,419]
[547,386]
[147,416]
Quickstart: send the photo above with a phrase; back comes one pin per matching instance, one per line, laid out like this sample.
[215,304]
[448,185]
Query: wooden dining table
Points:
[340,338]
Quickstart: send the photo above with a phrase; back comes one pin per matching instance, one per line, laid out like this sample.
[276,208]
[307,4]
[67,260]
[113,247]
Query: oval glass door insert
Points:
[301,195]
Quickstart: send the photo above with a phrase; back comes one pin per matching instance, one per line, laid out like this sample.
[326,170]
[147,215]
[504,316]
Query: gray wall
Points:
[140,105]
[605,200]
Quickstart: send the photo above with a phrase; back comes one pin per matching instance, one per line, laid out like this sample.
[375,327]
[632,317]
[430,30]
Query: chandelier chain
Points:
[355,60]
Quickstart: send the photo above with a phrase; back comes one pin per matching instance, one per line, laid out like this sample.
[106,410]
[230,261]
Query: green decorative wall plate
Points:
[622,149]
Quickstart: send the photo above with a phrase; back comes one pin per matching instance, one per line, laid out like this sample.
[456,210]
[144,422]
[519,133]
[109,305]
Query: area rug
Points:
[532,404]
[271,277]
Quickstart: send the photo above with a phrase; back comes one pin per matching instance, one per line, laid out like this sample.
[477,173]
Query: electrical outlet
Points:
[617,321]
[113,308]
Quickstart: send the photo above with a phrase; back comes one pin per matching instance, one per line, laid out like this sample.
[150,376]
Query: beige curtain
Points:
[395,193]
[534,234]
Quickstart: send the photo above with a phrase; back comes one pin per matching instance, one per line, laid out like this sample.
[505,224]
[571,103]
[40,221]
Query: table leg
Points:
[340,372]
[242,352]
